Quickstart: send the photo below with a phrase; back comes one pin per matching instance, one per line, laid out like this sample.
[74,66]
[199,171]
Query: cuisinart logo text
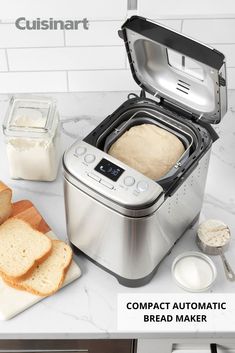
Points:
[50,24]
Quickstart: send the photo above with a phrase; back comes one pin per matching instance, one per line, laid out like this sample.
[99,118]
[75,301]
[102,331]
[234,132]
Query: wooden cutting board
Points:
[13,301]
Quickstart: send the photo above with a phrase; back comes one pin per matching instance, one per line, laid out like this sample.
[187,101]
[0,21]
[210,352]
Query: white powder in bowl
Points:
[214,232]
[26,117]
[193,273]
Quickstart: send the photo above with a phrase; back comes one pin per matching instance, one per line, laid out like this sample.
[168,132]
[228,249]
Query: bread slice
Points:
[5,202]
[49,276]
[21,248]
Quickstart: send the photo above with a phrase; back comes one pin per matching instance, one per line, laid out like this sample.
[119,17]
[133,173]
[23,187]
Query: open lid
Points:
[186,73]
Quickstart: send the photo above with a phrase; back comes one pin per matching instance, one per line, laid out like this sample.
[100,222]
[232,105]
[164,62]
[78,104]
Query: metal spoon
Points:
[220,246]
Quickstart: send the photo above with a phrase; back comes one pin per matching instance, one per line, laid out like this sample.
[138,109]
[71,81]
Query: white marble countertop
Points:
[87,308]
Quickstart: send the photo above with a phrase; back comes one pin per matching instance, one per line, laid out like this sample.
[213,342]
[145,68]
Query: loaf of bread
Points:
[21,248]
[5,202]
[149,149]
[48,276]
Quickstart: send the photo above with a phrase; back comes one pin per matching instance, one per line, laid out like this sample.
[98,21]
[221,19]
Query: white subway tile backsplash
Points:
[82,58]
[11,37]
[229,51]
[231,78]
[72,9]
[3,61]
[95,59]
[186,8]
[211,31]
[33,82]
[109,80]
[99,33]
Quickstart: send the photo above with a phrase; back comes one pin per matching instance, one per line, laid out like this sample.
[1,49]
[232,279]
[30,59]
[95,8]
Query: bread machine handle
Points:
[213,347]
[178,183]
[120,34]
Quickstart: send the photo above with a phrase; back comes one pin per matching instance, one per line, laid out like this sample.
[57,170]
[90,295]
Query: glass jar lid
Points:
[29,116]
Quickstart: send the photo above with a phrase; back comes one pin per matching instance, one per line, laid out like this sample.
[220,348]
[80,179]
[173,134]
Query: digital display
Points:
[109,169]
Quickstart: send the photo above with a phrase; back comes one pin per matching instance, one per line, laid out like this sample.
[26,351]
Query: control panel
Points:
[110,177]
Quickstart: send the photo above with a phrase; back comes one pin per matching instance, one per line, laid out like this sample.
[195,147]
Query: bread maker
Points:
[121,220]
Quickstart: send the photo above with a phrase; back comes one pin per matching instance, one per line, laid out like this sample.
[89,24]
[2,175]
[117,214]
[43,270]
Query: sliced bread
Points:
[48,276]
[5,202]
[21,248]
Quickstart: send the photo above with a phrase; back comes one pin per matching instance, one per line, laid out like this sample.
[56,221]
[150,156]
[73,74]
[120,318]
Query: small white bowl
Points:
[197,260]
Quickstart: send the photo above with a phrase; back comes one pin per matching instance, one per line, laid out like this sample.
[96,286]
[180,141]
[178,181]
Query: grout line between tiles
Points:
[64,37]
[7,60]
[63,70]
[73,70]
[181,17]
[67,46]
[9,22]
[205,18]
[196,18]
[39,47]
[67,80]
[96,46]
[222,43]
[182,25]
[71,91]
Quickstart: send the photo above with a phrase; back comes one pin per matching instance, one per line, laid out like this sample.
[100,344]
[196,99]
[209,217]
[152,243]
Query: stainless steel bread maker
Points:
[121,220]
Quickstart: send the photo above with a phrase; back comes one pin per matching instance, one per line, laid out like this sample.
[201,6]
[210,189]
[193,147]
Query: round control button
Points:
[80,150]
[129,181]
[89,158]
[142,185]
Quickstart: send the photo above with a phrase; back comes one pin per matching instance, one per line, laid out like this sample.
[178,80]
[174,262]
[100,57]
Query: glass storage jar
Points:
[31,128]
